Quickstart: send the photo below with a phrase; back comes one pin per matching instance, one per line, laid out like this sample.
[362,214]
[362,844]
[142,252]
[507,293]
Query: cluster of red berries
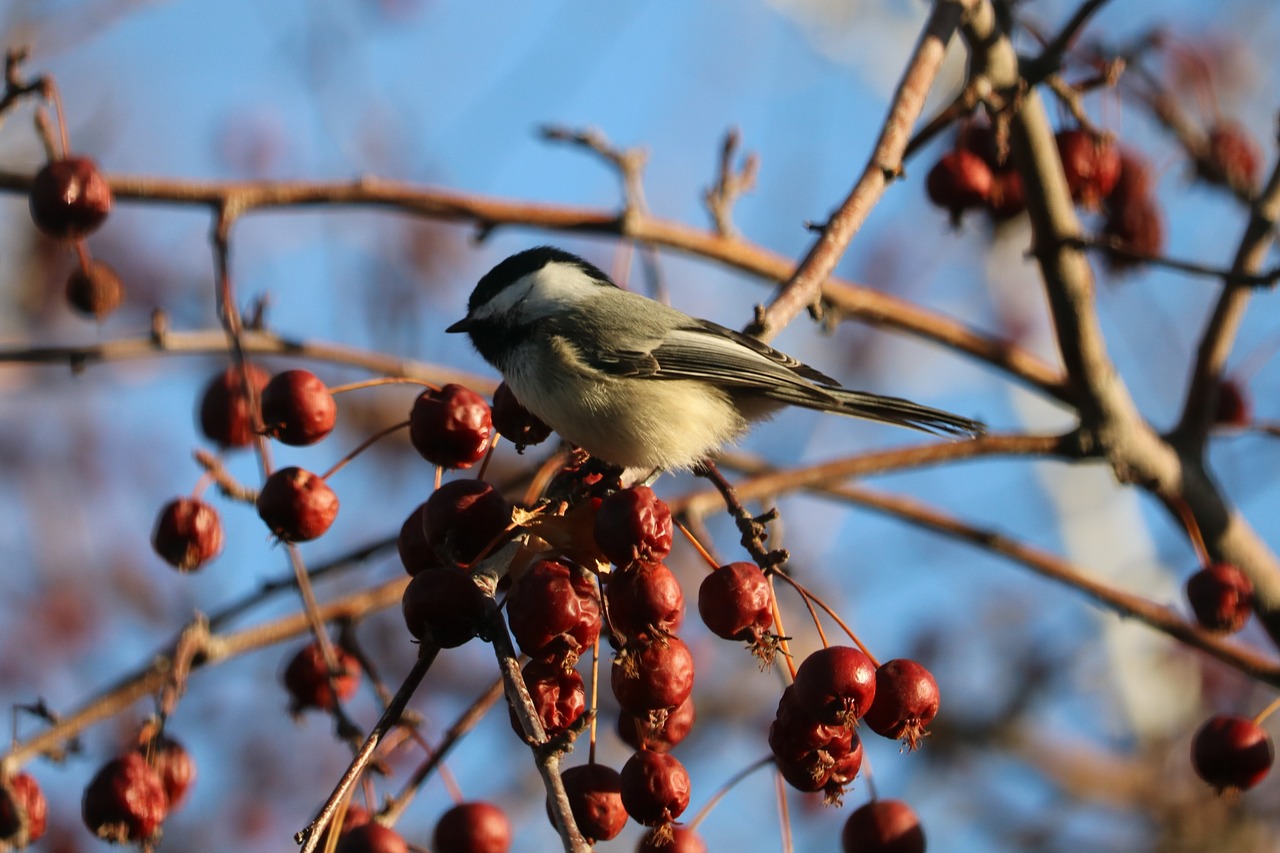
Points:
[978,174]
[1228,752]
[130,797]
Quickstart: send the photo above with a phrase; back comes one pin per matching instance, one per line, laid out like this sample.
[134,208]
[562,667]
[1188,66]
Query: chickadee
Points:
[637,383]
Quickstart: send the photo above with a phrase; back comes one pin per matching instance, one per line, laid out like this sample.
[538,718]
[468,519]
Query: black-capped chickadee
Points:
[637,383]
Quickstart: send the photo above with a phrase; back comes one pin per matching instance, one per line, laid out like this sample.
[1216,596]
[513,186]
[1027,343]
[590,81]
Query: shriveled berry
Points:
[307,678]
[1231,753]
[1232,157]
[640,732]
[176,768]
[69,198]
[24,812]
[443,607]
[1232,407]
[595,800]
[225,413]
[735,602]
[554,612]
[1091,164]
[1221,597]
[558,695]
[960,180]
[883,826]
[371,838]
[296,504]
[645,601]
[584,478]
[462,518]
[450,427]
[813,756]
[188,534]
[95,292]
[906,701]
[633,526]
[1133,218]
[476,827]
[655,787]
[671,839]
[125,802]
[297,408]
[516,423]
[653,676]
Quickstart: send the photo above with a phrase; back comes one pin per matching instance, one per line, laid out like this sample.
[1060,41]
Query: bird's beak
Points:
[461,326]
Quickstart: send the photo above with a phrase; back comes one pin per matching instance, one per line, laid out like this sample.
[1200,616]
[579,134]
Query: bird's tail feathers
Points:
[892,410]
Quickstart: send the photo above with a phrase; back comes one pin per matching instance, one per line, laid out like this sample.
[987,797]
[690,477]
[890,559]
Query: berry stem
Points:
[361,447]
[807,596]
[784,813]
[697,546]
[727,787]
[488,454]
[1267,711]
[381,380]
[543,476]
[1188,520]
[783,641]
[595,697]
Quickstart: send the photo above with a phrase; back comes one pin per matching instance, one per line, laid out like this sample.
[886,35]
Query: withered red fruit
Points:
[297,505]
[125,802]
[1231,753]
[307,678]
[188,534]
[69,198]
[96,291]
[225,411]
[450,427]
[297,408]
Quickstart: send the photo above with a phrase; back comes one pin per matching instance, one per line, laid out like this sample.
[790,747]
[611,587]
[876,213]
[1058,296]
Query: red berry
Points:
[355,815]
[595,800]
[645,601]
[554,611]
[558,694]
[735,602]
[187,534]
[671,839]
[655,787]
[1091,164]
[307,678]
[371,838]
[177,771]
[813,756]
[69,198]
[1232,158]
[1133,217]
[450,427]
[639,732]
[476,827]
[415,552]
[443,607]
[906,701]
[516,423]
[95,292]
[655,677]
[1221,597]
[960,180]
[297,505]
[225,411]
[633,526]
[1232,407]
[24,813]
[462,518]
[836,685]
[125,803]
[1008,198]
[1231,753]
[883,826]
[297,408]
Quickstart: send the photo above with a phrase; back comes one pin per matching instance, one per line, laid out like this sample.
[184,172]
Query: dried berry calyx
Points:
[188,534]
[69,198]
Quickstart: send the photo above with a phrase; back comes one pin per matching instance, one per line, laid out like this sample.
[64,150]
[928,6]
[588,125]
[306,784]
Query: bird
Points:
[642,385]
